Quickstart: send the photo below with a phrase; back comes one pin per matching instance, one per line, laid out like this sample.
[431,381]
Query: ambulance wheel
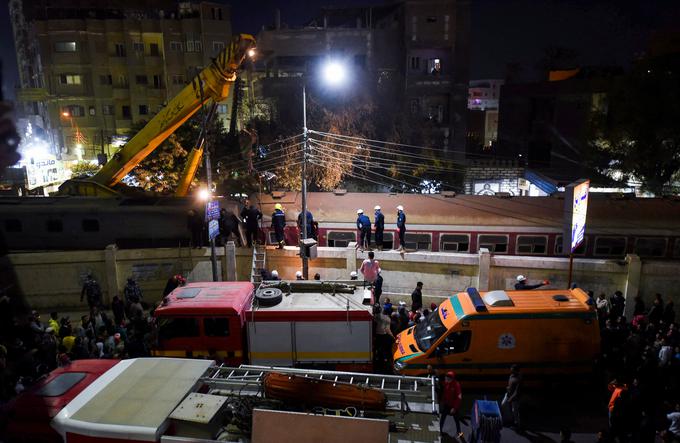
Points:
[269,296]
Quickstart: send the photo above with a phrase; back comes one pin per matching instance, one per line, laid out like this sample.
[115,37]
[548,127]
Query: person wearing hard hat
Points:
[353,275]
[364,227]
[278,224]
[401,226]
[522,285]
[275,275]
[298,275]
[379,227]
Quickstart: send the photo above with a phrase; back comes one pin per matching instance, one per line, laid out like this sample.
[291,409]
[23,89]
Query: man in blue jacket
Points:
[401,226]
[379,228]
[278,224]
[364,226]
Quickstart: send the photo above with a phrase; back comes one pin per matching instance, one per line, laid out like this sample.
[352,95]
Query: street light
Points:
[334,73]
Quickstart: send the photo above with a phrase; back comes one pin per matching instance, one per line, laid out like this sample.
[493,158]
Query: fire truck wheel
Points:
[269,296]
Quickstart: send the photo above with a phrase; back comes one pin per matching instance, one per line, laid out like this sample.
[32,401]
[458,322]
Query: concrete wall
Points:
[54,279]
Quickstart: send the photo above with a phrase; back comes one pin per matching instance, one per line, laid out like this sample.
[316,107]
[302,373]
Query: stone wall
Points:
[490,177]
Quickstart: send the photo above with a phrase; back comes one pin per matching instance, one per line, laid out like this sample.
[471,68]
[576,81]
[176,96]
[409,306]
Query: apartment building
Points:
[91,71]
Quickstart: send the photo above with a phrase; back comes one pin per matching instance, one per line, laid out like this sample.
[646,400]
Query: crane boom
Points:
[216,80]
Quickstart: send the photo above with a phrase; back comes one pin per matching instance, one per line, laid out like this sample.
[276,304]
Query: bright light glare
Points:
[252,52]
[65,114]
[203,194]
[334,73]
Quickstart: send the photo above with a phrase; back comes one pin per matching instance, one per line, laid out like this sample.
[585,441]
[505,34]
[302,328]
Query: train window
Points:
[55,226]
[90,225]
[610,246]
[650,247]
[12,225]
[531,244]
[340,239]
[216,327]
[559,247]
[418,241]
[676,248]
[388,240]
[454,242]
[494,243]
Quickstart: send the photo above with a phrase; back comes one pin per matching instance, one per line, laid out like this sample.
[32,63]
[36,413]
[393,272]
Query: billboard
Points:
[43,171]
[575,214]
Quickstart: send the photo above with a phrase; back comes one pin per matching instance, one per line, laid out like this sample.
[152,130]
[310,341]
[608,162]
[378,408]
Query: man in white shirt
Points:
[674,418]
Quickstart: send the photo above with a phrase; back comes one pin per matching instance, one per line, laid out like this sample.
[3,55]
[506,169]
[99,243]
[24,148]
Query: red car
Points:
[28,416]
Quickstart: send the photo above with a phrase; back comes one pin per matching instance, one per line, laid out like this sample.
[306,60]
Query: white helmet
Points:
[353,274]
[275,273]
[298,274]
[521,278]
[377,208]
[360,211]
[400,208]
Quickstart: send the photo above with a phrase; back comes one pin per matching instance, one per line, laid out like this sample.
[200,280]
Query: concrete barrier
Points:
[53,280]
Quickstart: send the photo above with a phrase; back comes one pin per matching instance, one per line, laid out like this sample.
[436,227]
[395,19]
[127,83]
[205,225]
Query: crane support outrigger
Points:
[212,84]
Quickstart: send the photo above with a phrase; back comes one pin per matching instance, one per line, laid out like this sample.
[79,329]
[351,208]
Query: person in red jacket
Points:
[450,399]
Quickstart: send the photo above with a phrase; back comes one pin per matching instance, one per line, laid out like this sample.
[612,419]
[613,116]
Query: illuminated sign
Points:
[43,171]
[575,212]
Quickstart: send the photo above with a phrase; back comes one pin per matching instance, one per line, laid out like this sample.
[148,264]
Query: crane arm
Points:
[216,80]
[194,158]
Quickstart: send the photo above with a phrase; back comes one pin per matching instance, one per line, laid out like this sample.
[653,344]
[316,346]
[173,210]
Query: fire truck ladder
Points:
[259,260]
[404,394]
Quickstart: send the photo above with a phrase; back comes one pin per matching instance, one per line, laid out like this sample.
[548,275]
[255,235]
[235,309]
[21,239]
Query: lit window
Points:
[70,79]
[65,46]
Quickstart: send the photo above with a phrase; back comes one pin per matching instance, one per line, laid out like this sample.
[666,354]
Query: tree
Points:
[84,169]
[637,135]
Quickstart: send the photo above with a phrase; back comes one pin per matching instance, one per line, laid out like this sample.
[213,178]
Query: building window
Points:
[90,225]
[74,111]
[157,83]
[108,110]
[219,13]
[218,47]
[415,63]
[531,244]
[418,241]
[177,79]
[494,243]
[120,50]
[141,79]
[650,247]
[176,46]
[105,80]
[143,110]
[434,66]
[92,111]
[125,110]
[13,225]
[54,226]
[65,46]
[70,79]
[222,109]
[138,47]
[431,19]
[454,242]
[610,246]
[198,46]
[154,50]
[340,239]
[559,246]
[123,81]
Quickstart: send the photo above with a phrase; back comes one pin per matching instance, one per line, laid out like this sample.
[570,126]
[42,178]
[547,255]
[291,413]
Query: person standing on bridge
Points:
[310,224]
[401,226]
[251,216]
[522,285]
[278,224]
[379,228]
[364,227]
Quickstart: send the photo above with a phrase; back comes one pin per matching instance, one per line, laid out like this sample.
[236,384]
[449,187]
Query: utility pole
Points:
[208,171]
[303,255]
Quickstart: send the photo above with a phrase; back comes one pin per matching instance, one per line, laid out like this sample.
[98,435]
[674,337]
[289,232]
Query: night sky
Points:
[602,32]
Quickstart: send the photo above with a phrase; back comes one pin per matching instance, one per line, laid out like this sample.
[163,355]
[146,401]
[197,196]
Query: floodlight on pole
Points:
[334,73]
[203,194]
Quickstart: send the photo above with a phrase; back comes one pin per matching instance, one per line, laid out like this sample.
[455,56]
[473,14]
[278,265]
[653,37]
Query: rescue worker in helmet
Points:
[364,227]
[379,228]
[522,285]
[401,226]
[278,224]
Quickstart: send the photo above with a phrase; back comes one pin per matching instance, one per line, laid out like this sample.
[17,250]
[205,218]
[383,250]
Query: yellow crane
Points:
[212,85]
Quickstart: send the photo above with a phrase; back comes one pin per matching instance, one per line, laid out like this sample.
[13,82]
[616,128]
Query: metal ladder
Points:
[259,260]
[405,394]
